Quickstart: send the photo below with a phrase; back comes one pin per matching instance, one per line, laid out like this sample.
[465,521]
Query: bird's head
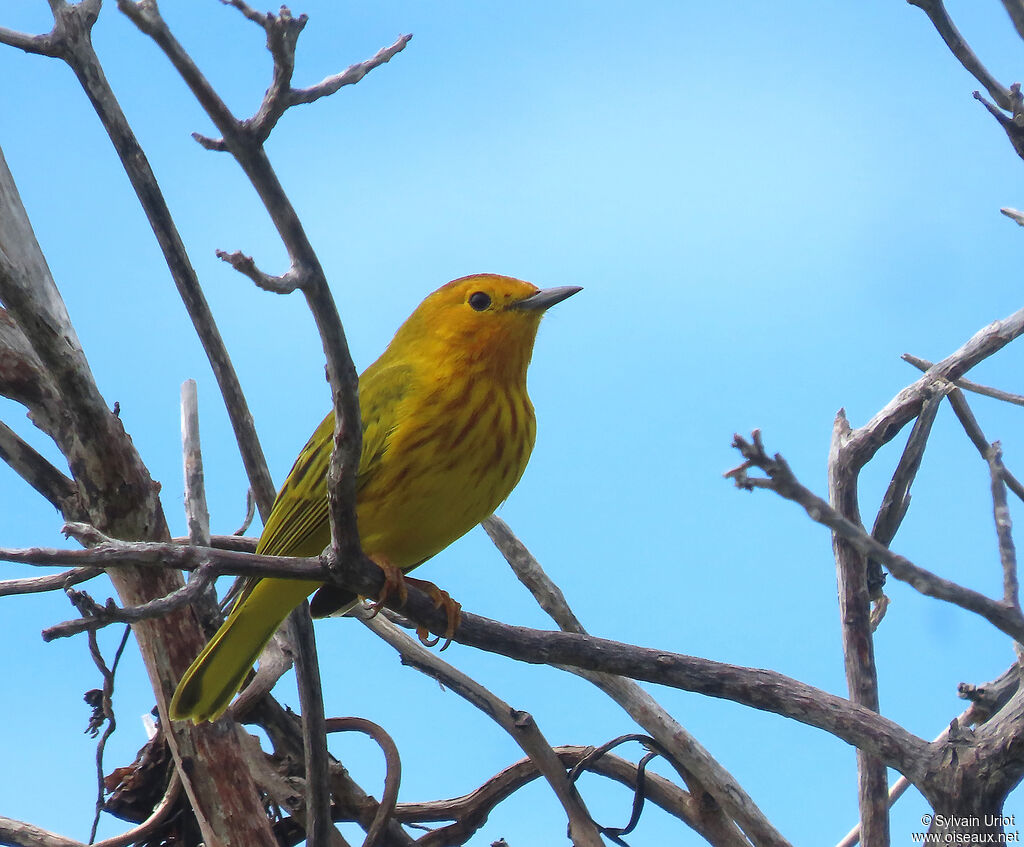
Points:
[485,320]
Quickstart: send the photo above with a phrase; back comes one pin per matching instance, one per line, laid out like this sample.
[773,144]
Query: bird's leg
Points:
[394,583]
[442,600]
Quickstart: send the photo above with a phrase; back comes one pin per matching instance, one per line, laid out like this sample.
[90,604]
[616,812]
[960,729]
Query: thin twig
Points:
[472,808]
[392,772]
[782,481]
[1012,126]
[967,419]
[107,707]
[52,582]
[896,500]
[349,76]
[101,616]
[1014,215]
[250,513]
[966,384]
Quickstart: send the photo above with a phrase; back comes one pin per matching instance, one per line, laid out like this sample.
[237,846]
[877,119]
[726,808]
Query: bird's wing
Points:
[299,517]
[381,391]
[298,525]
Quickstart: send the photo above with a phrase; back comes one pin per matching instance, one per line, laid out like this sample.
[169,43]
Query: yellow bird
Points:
[447,431]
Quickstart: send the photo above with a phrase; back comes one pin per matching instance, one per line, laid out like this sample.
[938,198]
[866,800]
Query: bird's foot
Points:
[394,585]
[442,600]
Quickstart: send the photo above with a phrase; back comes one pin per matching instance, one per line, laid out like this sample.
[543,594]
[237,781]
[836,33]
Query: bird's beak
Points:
[546,298]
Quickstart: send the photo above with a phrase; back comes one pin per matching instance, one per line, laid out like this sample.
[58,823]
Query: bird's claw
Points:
[394,584]
[442,600]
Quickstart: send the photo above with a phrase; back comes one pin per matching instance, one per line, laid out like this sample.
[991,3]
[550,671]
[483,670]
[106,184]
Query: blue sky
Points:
[766,205]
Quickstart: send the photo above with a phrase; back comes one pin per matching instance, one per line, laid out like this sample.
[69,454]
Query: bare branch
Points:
[54,43]
[101,616]
[23,834]
[966,417]
[1012,126]
[284,284]
[896,500]
[305,266]
[73,44]
[282,32]
[518,724]
[314,732]
[1015,9]
[32,467]
[1004,528]
[937,14]
[197,513]
[973,714]
[861,444]
[966,384]
[760,689]
[782,482]
[694,763]
[392,774]
[350,76]
[104,713]
[53,582]
[1014,215]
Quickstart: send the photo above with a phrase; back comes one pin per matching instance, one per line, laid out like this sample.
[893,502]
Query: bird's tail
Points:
[213,679]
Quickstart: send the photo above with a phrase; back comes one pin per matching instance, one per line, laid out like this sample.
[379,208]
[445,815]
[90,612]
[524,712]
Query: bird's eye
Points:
[479,300]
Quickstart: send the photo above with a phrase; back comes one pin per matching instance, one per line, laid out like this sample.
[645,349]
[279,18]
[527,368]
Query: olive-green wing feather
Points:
[381,390]
[298,524]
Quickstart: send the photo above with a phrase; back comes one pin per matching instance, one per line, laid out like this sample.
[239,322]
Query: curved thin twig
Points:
[392,774]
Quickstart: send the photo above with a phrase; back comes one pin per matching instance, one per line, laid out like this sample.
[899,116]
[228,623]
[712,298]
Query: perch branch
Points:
[760,689]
